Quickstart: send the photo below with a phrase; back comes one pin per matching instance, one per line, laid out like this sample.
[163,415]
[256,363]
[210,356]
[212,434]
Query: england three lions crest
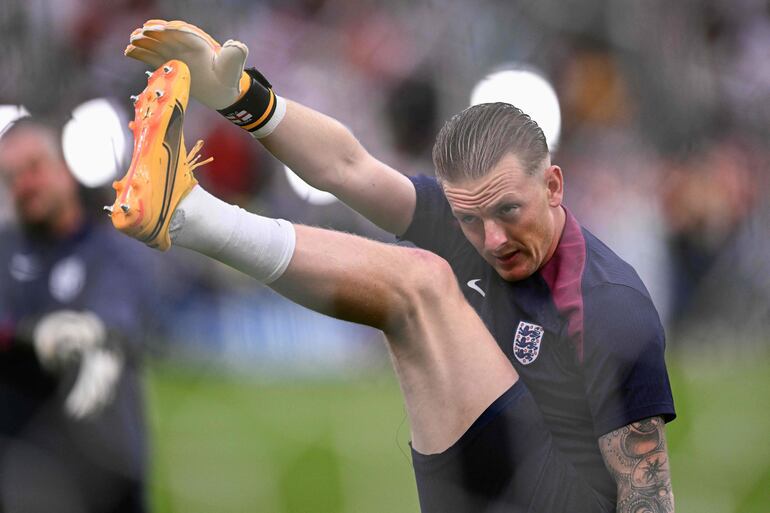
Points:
[526,344]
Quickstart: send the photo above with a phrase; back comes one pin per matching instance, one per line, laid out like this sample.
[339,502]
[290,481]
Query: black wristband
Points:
[256,107]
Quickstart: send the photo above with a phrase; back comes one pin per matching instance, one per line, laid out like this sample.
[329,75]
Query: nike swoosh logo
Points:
[474,285]
[171,142]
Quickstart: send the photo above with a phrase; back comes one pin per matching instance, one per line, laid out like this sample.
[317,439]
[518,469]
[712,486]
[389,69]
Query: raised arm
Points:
[327,156]
[318,148]
[637,457]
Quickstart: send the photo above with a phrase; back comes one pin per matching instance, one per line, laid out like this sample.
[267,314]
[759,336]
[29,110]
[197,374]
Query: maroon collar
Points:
[563,274]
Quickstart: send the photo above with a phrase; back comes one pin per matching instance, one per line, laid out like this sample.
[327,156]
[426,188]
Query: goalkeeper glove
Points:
[96,383]
[67,336]
[219,80]
[62,336]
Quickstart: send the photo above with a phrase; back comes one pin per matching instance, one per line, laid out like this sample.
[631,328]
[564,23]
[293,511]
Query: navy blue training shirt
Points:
[582,332]
[99,270]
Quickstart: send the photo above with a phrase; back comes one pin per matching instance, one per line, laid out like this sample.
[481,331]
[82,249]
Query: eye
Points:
[508,208]
[467,219]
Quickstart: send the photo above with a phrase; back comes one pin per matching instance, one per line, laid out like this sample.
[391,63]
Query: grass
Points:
[720,447]
[228,443]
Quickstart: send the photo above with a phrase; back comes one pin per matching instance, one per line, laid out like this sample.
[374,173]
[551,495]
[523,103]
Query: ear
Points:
[554,181]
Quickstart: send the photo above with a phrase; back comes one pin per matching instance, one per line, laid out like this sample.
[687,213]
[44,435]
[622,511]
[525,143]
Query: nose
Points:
[494,235]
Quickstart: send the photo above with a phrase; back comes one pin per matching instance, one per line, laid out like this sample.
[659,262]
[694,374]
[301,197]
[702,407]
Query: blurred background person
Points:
[73,301]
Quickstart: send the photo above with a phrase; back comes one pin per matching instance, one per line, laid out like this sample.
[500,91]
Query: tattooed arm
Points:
[637,458]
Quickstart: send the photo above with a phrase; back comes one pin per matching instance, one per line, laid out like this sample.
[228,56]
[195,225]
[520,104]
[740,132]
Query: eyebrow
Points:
[506,199]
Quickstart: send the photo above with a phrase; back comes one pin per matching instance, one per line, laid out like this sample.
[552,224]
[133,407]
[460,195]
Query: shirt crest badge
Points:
[526,343]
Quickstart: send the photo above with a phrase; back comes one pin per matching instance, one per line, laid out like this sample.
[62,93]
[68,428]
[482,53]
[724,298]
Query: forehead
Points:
[507,177]
[25,144]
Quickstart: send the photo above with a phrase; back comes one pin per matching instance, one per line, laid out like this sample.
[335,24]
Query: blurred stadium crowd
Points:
[665,107]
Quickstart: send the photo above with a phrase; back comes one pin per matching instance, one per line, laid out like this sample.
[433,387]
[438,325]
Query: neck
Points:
[560,219]
[67,221]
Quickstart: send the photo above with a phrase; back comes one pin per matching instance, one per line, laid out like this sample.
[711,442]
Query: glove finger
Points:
[152,22]
[156,32]
[228,64]
[166,49]
[148,43]
[162,34]
[183,26]
[153,59]
[160,42]
[95,384]
[178,41]
[153,26]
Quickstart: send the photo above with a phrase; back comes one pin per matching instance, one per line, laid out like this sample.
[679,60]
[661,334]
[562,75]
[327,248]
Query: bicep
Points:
[637,458]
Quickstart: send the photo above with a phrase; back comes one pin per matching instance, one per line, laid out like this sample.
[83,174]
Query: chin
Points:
[515,274]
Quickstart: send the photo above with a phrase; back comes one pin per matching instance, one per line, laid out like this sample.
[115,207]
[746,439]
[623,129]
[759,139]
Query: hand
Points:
[215,69]
[96,383]
[63,335]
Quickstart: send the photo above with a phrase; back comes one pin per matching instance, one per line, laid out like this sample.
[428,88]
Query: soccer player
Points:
[72,297]
[530,356]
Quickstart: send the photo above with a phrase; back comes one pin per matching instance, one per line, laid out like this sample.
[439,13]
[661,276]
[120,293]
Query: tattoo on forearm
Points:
[636,457]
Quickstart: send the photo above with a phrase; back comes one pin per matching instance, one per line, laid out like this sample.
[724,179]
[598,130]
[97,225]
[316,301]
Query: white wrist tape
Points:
[275,119]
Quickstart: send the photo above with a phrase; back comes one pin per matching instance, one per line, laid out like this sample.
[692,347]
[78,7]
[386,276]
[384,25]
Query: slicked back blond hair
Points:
[471,143]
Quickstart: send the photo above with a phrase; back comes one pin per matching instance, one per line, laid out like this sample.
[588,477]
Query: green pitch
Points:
[229,444]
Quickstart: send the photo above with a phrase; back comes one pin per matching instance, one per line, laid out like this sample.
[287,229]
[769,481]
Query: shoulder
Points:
[430,195]
[605,269]
[617,305]
[433,226]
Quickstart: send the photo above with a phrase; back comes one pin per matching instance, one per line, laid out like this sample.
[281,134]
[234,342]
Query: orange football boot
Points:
[160,174]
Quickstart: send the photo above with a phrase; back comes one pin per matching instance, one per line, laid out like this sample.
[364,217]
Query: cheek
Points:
[534,233]
[29,183]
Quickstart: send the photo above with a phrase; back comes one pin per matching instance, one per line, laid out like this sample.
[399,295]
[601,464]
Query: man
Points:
[72,297]
[575,424]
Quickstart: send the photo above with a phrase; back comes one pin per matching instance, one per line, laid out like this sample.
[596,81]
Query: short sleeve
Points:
[433,226]
[624,365]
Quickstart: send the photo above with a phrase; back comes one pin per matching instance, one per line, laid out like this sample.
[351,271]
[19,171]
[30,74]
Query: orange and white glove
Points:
[216,70]
[218,78]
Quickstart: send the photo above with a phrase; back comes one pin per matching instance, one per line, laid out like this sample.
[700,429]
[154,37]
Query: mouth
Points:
[506,259]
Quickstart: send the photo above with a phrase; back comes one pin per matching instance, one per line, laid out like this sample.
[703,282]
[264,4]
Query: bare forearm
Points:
[316,147]
[328,156]
[636,456]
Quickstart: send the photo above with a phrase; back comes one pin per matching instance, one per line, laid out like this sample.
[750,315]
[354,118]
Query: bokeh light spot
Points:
[94,142]
[527,89]
[306,191]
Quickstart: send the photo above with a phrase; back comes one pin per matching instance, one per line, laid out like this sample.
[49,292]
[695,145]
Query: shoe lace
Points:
[193,156]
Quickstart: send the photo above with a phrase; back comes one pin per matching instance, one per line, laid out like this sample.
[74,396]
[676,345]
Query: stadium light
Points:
[306,191]
[94,142]
[9,114]
[527,89]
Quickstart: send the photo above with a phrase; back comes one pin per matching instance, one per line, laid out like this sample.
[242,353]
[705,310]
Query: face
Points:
[514,220]
[35,175]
